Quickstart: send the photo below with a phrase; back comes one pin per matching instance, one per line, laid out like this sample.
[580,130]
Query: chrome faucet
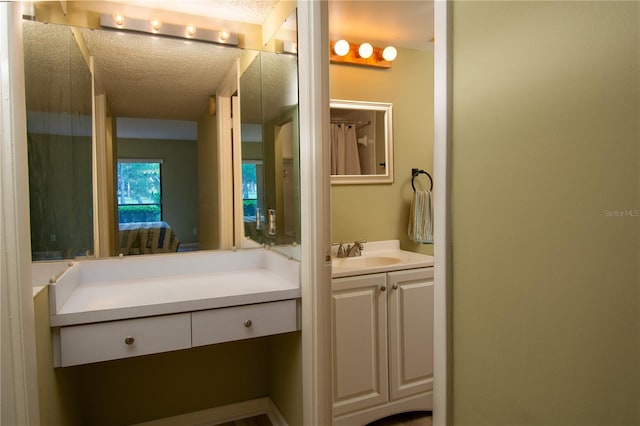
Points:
[351,250]
[355,249]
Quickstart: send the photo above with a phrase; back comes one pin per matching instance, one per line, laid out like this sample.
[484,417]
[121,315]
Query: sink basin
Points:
[365,261]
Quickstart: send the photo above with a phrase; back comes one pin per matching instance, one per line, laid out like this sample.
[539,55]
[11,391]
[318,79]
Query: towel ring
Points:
[416,172]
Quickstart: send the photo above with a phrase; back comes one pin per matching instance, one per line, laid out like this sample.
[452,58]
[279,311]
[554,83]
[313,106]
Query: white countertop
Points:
[389,249]
[93,291]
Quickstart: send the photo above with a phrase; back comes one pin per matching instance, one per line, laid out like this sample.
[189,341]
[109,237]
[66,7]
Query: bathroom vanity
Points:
[115,308]
[382,333]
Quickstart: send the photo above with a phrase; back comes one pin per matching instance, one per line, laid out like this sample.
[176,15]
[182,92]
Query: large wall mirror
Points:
[155,103]
[270,149]
[361,142]
[58,96]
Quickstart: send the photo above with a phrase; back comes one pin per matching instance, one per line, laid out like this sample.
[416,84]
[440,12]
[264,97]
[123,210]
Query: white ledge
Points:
[112,289]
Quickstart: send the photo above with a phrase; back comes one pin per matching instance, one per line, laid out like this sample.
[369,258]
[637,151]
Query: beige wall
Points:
[381,212]
[545,147]
[57,392]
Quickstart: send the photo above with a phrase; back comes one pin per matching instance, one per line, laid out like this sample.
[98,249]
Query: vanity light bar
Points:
[188,32]
[362,54]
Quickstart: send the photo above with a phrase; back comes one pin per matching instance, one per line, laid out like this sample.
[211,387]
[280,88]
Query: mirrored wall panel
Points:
[58,99]
[271,148]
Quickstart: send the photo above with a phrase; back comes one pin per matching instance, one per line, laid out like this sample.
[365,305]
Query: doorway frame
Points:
[316,266]
[443,375]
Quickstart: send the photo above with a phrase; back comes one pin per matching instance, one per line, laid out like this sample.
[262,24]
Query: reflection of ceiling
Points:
[157,77]
[53,63]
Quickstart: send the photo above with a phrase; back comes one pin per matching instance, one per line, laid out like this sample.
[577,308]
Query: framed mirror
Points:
[361,142]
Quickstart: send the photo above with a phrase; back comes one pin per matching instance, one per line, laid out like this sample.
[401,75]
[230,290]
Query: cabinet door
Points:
[359,337]
[410,332]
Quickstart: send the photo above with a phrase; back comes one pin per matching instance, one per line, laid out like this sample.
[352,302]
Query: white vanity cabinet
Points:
[107,309]
[382,335]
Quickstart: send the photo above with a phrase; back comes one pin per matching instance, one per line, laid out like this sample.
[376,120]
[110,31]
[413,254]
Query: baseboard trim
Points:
[222,414]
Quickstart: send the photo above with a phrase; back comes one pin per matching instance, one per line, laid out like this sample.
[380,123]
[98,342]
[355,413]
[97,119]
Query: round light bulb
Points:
[118,20]
[389,53]
[155,25]
[341,48]
[365,50]
[191,31]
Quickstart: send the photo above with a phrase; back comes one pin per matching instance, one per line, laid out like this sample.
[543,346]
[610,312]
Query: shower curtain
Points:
[345,159]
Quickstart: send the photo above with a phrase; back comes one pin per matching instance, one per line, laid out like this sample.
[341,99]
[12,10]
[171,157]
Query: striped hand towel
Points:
[420,227]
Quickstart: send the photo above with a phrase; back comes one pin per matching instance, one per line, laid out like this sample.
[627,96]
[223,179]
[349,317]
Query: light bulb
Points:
[224,35]
[191,31]
[389,53]
[341,48]
[118,20]
[365,50]
[155,25]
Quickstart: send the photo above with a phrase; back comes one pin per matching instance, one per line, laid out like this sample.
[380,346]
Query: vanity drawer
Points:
[83,344]
[243,322]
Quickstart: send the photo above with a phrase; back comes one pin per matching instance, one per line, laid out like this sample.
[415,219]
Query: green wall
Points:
[381,212]
[179,180]
[545,138]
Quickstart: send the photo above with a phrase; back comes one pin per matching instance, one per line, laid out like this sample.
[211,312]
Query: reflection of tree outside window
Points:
[139,191]
[249,189]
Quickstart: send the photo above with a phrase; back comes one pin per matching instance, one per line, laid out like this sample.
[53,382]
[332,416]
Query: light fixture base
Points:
[353,58]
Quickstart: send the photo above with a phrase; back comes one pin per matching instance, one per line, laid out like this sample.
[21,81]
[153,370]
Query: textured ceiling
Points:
[157,77]
[249,11]
[57,75]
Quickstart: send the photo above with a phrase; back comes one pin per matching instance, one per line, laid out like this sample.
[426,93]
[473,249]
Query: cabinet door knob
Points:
[248,323]
[383,288]
[129,340]
[395,286]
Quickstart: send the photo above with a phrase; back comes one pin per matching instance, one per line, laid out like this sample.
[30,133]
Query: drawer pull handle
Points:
[395,286]
[129,340]
[248,323]
[383,288]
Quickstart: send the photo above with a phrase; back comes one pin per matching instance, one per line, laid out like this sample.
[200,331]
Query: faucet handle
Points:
[360,244]
[340,249]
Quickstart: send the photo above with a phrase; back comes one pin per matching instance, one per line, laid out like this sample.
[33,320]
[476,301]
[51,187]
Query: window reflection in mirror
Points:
[361,142]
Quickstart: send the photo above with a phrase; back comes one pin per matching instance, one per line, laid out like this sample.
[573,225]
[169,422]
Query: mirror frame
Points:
[387,108]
